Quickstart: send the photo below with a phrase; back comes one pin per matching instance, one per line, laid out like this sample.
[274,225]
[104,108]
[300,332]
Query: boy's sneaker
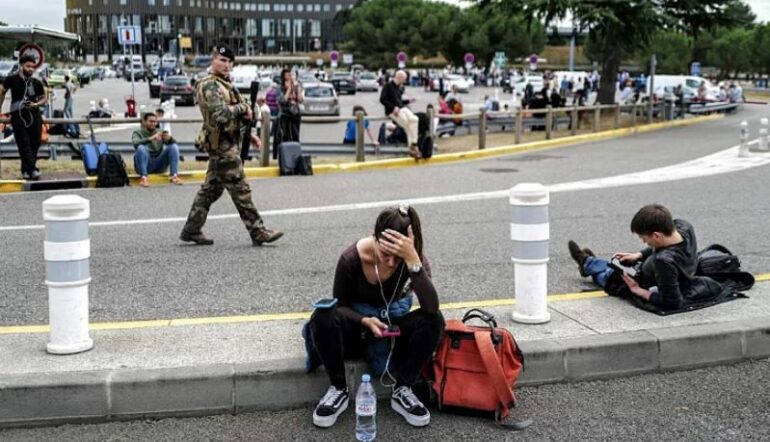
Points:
[579,255]
[330,406]
[405,403]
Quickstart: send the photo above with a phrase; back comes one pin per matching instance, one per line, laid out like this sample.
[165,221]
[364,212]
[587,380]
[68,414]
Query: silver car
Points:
[368,81]
[320,99]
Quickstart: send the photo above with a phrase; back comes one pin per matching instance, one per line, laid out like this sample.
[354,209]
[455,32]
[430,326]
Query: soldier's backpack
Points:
[111,171]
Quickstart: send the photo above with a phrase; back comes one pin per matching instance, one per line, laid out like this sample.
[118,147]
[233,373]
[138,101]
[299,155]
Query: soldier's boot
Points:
[264,235]
[198,238]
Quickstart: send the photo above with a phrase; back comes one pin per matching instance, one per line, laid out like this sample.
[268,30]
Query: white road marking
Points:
[725,161]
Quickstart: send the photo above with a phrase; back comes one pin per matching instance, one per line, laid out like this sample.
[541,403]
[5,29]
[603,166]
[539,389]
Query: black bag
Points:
[288,153]
[304,165]
[424,137]
[58,128]
[111,171]
[716,258]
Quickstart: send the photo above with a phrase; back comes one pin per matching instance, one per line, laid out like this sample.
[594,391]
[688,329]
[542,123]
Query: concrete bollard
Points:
[67,273]
[743,150]
[763,134]
[530,232]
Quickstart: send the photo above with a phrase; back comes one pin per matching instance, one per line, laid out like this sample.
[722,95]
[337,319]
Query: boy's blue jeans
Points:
[598,269]
[144,163]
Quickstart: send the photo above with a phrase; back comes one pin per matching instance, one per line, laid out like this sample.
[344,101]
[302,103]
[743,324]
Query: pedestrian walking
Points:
[69,91]
[225,113]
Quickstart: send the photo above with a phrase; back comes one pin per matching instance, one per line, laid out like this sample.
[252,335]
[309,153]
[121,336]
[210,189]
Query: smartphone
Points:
[391,332]
[325,303]
[617,265]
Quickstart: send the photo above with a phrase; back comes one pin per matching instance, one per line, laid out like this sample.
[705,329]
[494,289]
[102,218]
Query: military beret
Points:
[225,51]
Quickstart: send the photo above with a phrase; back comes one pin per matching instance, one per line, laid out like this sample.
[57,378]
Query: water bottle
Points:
[366,410]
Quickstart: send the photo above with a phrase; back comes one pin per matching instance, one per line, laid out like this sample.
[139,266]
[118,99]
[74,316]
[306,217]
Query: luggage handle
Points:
[477,313]
[488,318]
[91,129]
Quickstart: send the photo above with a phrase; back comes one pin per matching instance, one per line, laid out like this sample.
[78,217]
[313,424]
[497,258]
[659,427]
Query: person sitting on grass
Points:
[156,151]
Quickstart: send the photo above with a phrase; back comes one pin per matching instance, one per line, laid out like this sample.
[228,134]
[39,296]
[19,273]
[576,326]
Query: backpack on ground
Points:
[475,368]
[424,136]
[58,128]
[111,171]
[304,165]
[717,258]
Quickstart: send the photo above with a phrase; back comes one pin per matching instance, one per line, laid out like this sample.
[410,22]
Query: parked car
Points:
[320,99]
[243,75]
[202,61]
[368,81]
[177,88]
[140,72]
[84,74]
[7,67]
[451,80]
[344,82]
[56,79]
[520,83]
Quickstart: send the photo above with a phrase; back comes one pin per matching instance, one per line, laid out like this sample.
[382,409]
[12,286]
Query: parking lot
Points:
[117,90]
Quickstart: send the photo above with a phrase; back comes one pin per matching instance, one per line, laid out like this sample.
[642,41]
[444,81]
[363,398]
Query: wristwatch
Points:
[415,269]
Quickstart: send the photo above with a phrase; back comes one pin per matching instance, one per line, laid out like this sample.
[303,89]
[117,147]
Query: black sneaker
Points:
[405,403]
[579,255]
[330,406]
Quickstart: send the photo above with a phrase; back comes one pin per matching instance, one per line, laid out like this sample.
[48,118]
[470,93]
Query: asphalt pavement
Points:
[141,271]
[727,403]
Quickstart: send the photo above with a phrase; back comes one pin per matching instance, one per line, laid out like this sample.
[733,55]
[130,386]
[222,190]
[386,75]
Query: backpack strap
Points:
[497,378]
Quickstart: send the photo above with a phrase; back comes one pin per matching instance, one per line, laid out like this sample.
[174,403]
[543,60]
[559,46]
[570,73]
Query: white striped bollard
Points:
[743,150]
[530,232]
[67,273]
[763,134]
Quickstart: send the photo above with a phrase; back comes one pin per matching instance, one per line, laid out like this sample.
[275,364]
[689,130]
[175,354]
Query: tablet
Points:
[617,265]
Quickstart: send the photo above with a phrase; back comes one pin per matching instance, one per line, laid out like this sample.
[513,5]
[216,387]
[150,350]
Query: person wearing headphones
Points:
[374,284]
[27,97]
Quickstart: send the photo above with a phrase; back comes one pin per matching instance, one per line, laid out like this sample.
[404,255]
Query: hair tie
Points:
[403,209]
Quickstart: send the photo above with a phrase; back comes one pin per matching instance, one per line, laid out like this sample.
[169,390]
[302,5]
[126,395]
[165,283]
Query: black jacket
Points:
[390,97]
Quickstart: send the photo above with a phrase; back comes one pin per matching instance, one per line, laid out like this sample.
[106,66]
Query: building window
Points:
[338,7]
[268,27]
[179,3]
[317,7]
[104,2]
[166,2]
[290,7]
[251,27]
[122,2]
[300,7]
[327,7]
[149,2]
[90,2]
[315,28]
[299,26]
[284,27]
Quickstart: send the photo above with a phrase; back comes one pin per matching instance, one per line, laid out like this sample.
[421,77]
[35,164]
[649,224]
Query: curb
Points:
[104,395]
[9,186]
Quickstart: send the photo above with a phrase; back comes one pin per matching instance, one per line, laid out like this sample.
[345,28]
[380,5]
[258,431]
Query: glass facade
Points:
[250,27]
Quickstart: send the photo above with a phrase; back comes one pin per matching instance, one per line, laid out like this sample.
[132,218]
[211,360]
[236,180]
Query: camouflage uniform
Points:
[223,110]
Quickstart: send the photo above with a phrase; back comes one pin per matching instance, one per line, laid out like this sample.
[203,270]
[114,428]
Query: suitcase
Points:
[288,153]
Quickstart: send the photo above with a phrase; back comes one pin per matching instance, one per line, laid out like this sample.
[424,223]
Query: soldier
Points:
[224,115]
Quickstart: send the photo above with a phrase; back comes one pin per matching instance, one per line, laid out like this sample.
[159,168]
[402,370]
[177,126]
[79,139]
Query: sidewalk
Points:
[258,365]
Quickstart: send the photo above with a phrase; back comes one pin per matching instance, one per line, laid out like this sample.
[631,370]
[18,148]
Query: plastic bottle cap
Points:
[366,378]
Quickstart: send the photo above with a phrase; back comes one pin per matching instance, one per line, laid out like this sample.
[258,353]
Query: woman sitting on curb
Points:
[370,285]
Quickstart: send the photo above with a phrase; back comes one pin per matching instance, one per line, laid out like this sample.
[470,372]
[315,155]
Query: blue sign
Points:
[695,69]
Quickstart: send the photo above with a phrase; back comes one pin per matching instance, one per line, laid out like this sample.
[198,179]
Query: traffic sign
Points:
[35,51]
[469,58]
[347,58]
[401,58]
[500,59]
[533,62]
[334,57]
[695,69]
[129,35]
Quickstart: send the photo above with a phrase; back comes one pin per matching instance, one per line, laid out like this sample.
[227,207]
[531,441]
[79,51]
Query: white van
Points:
[577,77]
[689,83]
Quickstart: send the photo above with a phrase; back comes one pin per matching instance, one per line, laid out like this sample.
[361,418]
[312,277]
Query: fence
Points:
[549,120]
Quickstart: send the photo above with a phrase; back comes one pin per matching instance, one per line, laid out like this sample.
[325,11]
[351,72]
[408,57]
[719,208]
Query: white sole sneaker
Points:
[328,421]
[415,421]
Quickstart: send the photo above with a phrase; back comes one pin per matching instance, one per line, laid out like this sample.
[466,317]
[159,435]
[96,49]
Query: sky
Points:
[50,13]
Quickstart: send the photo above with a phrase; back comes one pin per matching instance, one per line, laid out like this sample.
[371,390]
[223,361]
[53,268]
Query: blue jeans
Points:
[68,107]
[145,163]
[598,269]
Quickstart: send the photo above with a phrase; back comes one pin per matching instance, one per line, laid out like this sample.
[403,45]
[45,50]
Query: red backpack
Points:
[476,368]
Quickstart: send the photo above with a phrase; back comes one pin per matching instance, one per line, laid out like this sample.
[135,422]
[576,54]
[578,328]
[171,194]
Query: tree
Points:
[378,29]
[621,28]
[488,29]
[731,52]
[672,49]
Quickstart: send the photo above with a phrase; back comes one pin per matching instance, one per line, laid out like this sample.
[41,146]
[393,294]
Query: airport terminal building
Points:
[251,27]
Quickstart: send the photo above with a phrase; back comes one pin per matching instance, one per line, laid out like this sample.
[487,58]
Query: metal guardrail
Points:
[519,119]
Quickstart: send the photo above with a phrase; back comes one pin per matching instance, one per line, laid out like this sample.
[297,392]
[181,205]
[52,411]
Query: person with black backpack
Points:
[661,277]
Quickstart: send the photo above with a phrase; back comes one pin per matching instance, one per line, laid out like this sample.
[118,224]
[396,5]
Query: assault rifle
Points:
[246,142]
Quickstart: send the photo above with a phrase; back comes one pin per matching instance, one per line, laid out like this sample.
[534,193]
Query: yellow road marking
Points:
[158,323]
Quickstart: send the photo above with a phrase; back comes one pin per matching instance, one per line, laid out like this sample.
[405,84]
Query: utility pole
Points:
[653,65]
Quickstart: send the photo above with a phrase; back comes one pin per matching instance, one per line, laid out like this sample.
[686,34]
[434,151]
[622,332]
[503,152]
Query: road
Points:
[727,403]
[140,270]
